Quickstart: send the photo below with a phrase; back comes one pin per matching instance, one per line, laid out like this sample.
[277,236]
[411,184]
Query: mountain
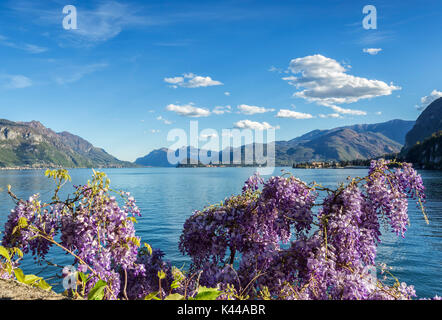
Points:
[429,122]
[394,129]
[428,153]
[360,141]
[339,145]
[423,146]
[158,157]
[31,144]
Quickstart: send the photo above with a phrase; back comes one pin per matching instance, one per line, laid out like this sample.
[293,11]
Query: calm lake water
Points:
[167,196]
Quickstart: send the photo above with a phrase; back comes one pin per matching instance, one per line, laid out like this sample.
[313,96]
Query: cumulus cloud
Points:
[372,51]
[284,113]
[253,125]
[326,82]
[426,100]
[222,109]
[249,110]
[188,110]
[227,93]
[190,80]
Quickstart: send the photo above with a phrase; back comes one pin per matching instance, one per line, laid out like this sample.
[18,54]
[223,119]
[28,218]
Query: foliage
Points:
[9,269]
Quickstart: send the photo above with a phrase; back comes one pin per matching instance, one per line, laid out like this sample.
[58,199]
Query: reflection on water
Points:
[167,196]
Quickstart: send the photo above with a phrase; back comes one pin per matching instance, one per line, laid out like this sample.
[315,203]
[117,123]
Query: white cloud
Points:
[75,73]
[249,110]
[31,48]
[174,80]
[188,110]
[165,121]
[348,111]
[106,21]
[227,93]
[375,37]
[222,109]
[154,131]
[190,80]
[98,21]
[330,115]
[326,83]
[15,81]
[372,51]
[378,113]
[275,69]
[278,70]
[284,113]
[426,100]
[253,125]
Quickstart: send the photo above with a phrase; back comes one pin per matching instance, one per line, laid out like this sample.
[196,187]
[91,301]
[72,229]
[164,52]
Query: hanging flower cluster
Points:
[332,249]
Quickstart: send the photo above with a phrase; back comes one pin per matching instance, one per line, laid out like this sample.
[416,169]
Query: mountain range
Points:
[30,144]
[362,141]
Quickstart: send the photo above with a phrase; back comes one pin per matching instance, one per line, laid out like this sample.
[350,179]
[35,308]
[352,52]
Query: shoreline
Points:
[68,168]
[14,290]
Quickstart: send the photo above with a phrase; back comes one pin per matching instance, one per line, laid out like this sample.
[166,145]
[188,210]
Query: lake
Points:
[167,196]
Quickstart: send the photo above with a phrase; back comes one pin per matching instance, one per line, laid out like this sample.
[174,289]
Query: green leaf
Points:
[31,279]
[22,222]
[149,248]
[174,296]
[44,285]
[83,277]
[19,275]
[175,284]
[151,296]
[97,292]
[18,252]
[133,219]
[205,293]
[135,241]
[4,253]
[161,274]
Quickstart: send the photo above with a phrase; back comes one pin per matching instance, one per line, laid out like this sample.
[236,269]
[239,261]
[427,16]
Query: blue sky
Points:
[134,70]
